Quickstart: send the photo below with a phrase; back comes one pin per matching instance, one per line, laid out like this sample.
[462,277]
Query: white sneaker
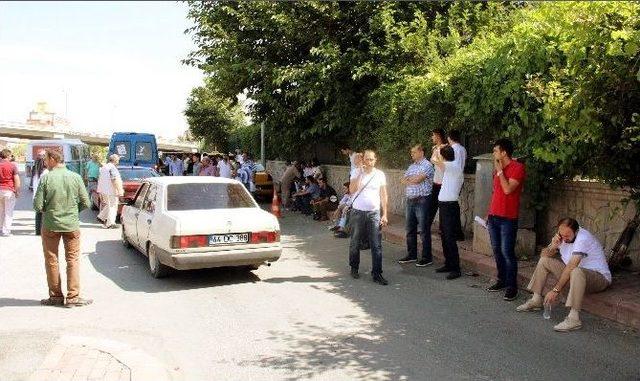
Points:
[529,305]
[568,325]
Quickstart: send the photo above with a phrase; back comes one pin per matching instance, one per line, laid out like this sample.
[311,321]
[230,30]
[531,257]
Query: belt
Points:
[417,198]
[93,179]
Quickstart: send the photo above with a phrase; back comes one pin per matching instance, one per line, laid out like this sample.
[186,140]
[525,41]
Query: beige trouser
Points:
[50,244]
[7,204]
[581,281]
[108,209]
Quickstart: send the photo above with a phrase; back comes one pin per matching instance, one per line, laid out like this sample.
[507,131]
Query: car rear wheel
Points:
[158,270]
[125,241]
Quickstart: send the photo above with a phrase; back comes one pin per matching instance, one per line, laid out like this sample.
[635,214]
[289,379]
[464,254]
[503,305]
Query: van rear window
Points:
[199,196]
[123,150]
[143,152]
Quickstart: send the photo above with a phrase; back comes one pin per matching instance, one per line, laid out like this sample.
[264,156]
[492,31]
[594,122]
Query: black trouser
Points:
[449,220]
[433,205]
[38,222]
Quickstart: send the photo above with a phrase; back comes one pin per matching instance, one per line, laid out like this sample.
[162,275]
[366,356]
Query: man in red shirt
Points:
[508,181]
[9,190]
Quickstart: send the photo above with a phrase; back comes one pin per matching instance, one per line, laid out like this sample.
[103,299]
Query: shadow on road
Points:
[129,270]
[12,302]
[424,327]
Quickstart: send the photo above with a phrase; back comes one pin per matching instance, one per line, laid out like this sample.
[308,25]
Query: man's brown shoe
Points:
[77,302]
[53,301]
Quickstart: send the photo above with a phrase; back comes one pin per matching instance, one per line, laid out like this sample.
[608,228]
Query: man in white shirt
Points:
[582,264]
[368,215]
[460,160]
[439,140]
[225,167]
[346,150]
[109,188]
[176,166]
[452,179]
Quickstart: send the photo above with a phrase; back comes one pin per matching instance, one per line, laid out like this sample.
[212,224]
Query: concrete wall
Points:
[597,207]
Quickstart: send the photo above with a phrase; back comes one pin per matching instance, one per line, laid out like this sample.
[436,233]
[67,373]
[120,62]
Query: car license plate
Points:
[222,239]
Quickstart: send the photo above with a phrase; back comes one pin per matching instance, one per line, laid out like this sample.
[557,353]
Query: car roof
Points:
[167,180]
[133,167]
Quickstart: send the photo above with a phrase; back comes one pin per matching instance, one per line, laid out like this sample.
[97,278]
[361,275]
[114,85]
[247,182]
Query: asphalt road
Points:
[303,318]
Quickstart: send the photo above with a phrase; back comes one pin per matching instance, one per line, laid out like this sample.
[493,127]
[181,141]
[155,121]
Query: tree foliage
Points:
[212,117]
[561,79]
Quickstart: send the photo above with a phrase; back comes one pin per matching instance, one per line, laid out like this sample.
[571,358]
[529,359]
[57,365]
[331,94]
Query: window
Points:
[137,174]
[140,196]
[76,153]
[149,203]
[122,149]
[143,151]
[201,196]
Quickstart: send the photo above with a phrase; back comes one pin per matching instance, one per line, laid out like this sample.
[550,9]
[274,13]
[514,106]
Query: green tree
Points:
[212,117]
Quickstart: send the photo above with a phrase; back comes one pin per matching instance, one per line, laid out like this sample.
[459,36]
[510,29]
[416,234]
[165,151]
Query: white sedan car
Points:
[191,222]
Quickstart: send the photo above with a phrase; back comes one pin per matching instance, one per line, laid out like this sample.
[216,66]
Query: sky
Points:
[111,66]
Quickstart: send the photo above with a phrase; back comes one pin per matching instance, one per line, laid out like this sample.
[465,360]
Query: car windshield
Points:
[201,196]
[137,174]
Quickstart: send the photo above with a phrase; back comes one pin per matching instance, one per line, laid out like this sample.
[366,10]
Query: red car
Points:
[131,179]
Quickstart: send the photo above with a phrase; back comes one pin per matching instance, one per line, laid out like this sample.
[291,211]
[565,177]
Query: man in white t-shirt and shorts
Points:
[368,186]
[582,264]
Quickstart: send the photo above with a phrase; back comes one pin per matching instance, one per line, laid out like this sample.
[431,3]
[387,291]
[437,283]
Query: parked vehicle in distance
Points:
[75,153]
[195,222]
[131,180]
[263,181]
[135,149]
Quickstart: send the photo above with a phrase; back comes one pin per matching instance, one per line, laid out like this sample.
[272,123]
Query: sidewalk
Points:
[76,358]
[620,302]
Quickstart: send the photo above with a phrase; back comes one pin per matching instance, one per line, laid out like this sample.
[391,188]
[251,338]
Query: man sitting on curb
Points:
[583,266]
[327,201]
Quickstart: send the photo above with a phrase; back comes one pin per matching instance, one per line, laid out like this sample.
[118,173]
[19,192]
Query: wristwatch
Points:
[499,173]
[555,289]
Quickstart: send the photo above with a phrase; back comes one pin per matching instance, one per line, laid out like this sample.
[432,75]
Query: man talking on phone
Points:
[508,181]
[368,186]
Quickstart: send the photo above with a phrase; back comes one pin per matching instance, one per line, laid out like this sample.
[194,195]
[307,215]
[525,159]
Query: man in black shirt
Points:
[325,202]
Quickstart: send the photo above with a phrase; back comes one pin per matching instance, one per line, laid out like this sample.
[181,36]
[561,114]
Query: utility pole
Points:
[262,159]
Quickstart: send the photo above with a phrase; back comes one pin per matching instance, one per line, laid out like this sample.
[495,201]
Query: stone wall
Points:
[338,174]
[596,206]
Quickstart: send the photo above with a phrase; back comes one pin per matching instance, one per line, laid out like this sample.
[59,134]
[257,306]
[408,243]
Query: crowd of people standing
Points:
[433,186]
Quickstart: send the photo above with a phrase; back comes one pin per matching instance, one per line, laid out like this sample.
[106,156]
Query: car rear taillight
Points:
[265,237]
[186,241]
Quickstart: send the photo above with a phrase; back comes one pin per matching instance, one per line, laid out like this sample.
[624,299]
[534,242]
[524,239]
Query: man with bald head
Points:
[109,189]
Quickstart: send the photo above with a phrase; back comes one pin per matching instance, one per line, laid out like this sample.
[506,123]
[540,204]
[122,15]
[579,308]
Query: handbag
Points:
[364,238]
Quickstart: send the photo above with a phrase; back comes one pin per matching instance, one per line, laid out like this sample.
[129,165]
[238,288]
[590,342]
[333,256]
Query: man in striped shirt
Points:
[419,181]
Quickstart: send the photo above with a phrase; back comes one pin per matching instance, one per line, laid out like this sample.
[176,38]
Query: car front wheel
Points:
[158,270]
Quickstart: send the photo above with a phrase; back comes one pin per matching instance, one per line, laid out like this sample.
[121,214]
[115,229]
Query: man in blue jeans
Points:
[418,180]
[502,222]
[368,215]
